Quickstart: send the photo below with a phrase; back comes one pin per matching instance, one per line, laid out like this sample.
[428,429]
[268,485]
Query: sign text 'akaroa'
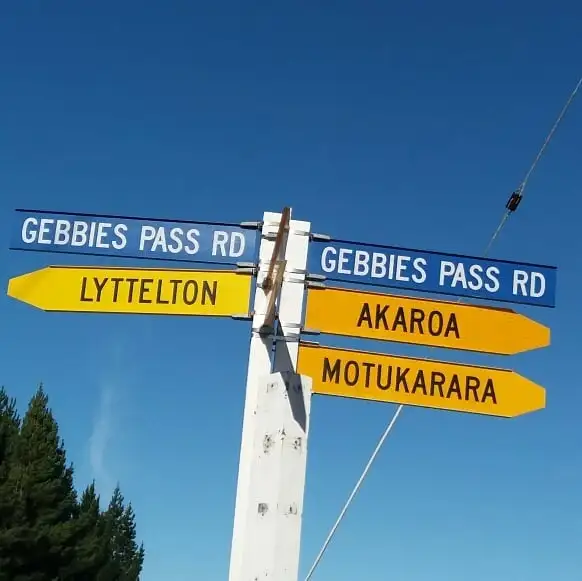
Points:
[132,237]
[434,272]
[419,382]
[144,291]
[354,313]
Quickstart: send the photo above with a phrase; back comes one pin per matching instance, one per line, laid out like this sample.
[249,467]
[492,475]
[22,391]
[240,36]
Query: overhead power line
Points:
[510,207]
[516,197]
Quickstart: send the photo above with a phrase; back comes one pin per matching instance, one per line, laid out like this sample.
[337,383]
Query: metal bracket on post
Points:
[315,278]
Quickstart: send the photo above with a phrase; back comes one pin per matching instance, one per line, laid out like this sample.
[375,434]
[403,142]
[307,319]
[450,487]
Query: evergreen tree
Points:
[91,547]
[42,533]
[133,561]
[126,557]
[9,428]
[45,533]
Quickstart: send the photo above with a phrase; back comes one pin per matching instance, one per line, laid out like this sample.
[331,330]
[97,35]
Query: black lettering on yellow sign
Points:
[411,320]
[403,379]
[149,290]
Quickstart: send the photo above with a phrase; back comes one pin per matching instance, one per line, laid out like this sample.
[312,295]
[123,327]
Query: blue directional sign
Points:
[183,241]
[434,272]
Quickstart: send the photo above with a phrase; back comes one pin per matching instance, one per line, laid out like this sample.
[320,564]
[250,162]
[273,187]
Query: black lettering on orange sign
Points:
[331,374]
[116,282]
[144,290]
[131,282]
[150,290]
[404,379]
[411,320]
[99,285]
[84,298]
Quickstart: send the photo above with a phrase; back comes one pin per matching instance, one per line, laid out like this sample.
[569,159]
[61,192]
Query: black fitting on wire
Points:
[514,201]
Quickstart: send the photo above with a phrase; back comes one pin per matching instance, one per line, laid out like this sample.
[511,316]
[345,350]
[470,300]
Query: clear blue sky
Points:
[398,123]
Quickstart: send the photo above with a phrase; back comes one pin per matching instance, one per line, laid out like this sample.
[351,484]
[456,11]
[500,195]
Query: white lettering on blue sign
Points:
[133,237]
[434,272]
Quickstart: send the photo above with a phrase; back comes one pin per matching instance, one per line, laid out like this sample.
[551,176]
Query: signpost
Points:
[218,293]
[273,455]
[434,272]
[183,241]
[353,313]
[419,382]
[282,372]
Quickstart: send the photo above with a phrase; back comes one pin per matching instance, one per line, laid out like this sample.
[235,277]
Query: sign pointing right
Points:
[419,382]
[353,313]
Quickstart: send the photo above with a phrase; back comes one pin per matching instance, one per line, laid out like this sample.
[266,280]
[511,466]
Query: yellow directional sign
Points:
[425,322]
[419,382]
[144,291]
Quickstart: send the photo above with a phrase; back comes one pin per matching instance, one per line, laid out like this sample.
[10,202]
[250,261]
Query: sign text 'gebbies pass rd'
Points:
[354,313]
[434,272]
[183,241]
[419,382]
[219,293]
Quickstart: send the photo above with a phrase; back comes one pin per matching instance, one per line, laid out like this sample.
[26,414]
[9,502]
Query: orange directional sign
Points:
[425,322]
[136,290]
[419,382]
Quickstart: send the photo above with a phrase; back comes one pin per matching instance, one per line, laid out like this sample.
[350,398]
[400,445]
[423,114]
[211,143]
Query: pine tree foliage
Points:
[9,430]
[47,533]
[46,502]
[126,556]
[91,544]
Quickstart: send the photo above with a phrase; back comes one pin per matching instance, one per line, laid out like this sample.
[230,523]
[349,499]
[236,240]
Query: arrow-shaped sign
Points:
[354,313]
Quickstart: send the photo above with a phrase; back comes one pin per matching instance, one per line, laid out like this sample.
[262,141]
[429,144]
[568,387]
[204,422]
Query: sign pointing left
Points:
[126,237]
[219,293]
